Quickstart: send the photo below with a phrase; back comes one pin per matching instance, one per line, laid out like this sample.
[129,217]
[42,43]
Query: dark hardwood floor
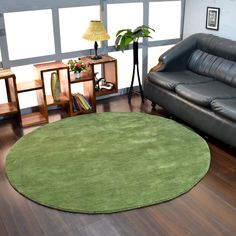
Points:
[208,209]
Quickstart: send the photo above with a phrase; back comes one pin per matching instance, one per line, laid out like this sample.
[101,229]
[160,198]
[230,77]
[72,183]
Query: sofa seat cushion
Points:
[225,107]
[169,80]
[203,93]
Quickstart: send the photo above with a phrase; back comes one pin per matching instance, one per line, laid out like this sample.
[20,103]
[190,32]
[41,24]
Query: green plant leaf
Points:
[126,36]
[123,30]
[118,41]
[139,33]
[137,29]
[144,28]
[122,44]
[128,40]
[146,32]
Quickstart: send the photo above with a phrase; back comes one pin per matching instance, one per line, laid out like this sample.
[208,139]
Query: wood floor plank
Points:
[221,188]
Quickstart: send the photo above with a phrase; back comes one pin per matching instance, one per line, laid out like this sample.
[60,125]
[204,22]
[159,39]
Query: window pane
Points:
[154,53]
[28,99]
[73,24]
[29,34]
[123,16]
[125,68]
[165,18]
[3,93]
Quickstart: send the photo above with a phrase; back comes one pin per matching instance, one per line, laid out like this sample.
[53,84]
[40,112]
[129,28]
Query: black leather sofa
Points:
[196,81]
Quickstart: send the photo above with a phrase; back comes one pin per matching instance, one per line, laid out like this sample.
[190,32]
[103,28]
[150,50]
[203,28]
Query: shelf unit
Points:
[40,116]
[66,82]
[108,66]
[63,74]
[87,81]
[11,108]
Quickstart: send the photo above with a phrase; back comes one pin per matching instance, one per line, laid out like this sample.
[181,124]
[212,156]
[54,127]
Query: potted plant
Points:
[126,36]
[77,66]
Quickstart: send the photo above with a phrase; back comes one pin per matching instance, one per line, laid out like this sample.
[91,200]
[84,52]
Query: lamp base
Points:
[96,57]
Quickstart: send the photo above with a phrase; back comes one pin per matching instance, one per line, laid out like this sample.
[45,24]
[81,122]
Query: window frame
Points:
[12,6]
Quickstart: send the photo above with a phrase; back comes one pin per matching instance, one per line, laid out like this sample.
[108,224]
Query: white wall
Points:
[195,17]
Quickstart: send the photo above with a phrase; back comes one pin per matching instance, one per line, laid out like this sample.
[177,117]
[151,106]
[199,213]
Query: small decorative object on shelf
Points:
[77,66]
[77,75]
[107,66]
[102,84]
[55,86]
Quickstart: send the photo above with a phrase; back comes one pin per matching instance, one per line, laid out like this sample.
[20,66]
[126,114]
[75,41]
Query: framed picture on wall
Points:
[212,18]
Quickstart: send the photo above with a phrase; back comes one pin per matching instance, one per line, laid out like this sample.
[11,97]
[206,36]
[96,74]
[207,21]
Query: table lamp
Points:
[96,32]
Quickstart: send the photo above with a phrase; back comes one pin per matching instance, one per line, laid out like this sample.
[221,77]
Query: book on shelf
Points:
[80,103]
[86,101]
[77,104]
[74,108]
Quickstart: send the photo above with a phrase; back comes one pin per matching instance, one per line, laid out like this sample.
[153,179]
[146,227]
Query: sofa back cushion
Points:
[217,46]
[210,65]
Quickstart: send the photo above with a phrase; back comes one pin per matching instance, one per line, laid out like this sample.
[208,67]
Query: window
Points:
[125,68]
[29,34]
[154,53]
[73,24]
[23,74]
[123,16]
[3,97]
[133,12]
[165,18]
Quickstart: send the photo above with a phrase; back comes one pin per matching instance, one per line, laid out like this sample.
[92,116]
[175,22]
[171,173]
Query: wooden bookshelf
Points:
[40,116]
[84,78]
[67,81]
[50,66]
[8,108]
[11,107]
[62,101]
[87,81]
[108,66]
[62,71]
[29,86]
[34,118]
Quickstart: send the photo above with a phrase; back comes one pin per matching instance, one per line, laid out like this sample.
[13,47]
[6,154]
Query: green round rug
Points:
[107,162]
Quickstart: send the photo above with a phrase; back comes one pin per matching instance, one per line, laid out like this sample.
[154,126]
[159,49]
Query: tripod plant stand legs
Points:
[135,65]
[132,82]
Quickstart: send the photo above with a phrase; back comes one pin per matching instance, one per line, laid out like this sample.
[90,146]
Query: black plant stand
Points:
[135,64]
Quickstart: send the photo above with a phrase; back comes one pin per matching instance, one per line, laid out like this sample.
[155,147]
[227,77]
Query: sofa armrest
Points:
[176,58]
[156,67]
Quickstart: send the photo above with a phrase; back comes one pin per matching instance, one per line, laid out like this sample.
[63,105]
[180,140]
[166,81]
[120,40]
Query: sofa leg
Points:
[153,106]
